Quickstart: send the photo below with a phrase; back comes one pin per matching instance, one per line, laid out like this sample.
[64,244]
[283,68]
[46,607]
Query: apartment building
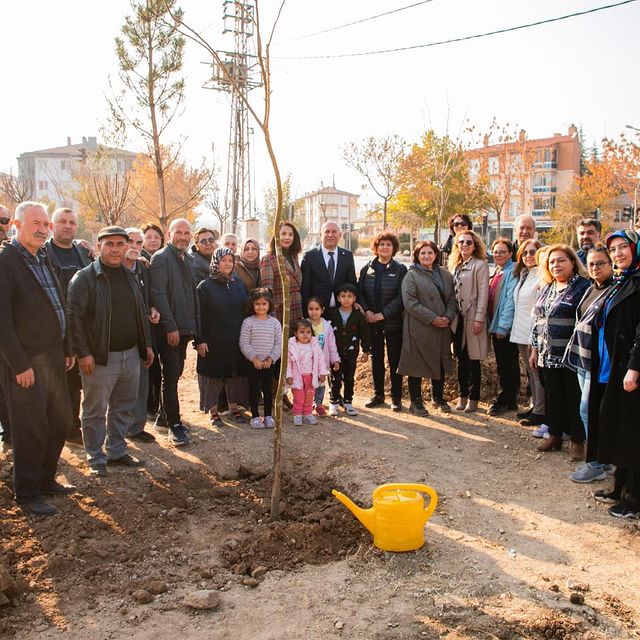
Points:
[52,172]
[527,175]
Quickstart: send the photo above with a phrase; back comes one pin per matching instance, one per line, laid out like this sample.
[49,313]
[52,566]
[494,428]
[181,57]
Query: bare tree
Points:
[150,57]
[262,120]
[16,189]
[378,161]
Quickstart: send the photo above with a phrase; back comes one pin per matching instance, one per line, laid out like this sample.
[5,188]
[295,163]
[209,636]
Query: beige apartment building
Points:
[528,175]
[327,203]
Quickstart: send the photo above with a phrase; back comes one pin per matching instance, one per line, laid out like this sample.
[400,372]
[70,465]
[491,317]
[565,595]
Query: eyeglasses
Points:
[530,252]
[5,220]
[597,265]
[460,223]
[206,241]
[467,242]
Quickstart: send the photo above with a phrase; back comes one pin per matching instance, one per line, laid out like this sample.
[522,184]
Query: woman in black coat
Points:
[614,402]
[380,296]
[221,365]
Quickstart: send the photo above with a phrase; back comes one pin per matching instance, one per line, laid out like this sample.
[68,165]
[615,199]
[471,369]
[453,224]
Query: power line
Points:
[351,24]
[462,38]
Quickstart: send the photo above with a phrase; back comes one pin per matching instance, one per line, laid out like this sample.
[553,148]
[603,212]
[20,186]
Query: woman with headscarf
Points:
[614,401]
[221,365]
[248,264]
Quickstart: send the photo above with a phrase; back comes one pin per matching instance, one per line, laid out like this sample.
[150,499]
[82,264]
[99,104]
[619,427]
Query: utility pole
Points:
[239,20]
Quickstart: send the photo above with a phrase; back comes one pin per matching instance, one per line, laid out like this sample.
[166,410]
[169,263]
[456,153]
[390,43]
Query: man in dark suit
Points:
[34,343]
[326,267]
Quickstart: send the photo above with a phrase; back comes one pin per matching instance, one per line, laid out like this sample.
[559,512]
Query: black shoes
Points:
[38,507]
[375,401]
[417,408]
[532,420]
[143,436]
[127,460]
[98,470]
[441,405]
[57,489]
[396,405]
[524,414]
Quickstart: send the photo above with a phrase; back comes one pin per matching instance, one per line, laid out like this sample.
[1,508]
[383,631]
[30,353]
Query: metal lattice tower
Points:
[239,20]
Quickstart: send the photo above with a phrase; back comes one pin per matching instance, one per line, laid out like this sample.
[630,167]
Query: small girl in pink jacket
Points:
[323,332]
[306,370]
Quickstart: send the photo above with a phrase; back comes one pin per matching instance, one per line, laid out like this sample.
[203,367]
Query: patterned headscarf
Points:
[214,269]
[250,264]
[634,243]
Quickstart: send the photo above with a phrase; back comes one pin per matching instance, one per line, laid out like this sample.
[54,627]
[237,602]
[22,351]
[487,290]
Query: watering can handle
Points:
[422,488]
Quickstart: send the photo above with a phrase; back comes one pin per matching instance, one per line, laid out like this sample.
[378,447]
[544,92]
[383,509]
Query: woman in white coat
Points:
[524,296]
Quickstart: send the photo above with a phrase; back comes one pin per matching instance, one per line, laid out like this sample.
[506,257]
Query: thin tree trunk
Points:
[157,151]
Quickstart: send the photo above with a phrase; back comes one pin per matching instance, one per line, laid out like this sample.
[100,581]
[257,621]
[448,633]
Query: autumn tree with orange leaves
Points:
[185,189]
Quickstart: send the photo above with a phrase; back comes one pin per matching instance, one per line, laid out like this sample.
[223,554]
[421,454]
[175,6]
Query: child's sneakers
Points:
[321,412]
[297,421]
[269,422]
[310,420]
[333,409]
[256,423]
[350,409]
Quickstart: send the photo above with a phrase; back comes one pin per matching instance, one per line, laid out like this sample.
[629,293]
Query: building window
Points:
[542,205]
[494,185]
[494,165]
[474,170]
[547,158]
[63,165]
[514,209]
[544,182]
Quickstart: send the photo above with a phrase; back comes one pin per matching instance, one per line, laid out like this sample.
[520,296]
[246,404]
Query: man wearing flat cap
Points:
[111,335]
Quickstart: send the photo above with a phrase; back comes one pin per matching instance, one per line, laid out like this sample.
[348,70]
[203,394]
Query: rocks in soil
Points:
[576,598]
[259,572]
[202,600]
[250,582]
[142,596]
[156,587]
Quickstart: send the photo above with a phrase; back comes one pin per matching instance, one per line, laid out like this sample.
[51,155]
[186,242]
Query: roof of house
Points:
[89,145]
[535,143]
[331,190]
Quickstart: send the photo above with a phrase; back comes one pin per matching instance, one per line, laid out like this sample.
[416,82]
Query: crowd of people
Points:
[93,341]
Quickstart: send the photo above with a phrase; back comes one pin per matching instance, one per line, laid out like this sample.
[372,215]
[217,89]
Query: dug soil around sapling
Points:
[514,549]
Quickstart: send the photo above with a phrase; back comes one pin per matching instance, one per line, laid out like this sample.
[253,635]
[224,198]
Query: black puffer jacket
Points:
[89,300]
[199,266]
[390,292]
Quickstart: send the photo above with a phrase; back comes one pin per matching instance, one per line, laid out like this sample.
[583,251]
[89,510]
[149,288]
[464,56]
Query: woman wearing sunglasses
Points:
[468,264]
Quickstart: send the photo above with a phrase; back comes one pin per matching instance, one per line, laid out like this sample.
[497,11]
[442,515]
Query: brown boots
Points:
[552,443]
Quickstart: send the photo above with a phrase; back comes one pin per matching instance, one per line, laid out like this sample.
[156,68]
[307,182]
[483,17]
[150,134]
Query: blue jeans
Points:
[318,397]
[110,395]
[584,380]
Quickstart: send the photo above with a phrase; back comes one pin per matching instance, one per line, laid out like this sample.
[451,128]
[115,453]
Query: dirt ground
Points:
[514,549]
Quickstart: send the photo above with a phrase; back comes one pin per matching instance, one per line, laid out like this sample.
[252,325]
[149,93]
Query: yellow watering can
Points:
[398,515]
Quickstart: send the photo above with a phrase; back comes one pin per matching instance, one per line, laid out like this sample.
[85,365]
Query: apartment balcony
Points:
[543,188]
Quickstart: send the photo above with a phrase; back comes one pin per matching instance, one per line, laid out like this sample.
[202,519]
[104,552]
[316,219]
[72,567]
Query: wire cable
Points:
[351,24]
[462,38]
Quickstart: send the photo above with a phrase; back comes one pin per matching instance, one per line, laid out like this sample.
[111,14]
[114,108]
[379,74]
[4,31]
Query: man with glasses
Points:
[205,242]
[67,258]
[588,231]
[140,270]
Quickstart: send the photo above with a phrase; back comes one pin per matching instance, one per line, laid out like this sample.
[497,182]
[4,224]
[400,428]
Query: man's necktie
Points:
[331,267]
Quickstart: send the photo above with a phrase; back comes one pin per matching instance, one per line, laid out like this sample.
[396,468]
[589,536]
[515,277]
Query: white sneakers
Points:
[349,409]
[333,409]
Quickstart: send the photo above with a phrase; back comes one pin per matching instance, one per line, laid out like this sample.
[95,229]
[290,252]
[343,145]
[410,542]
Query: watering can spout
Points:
[366,516]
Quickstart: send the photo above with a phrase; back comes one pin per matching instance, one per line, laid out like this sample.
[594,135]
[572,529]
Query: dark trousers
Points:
[5,427]
[154,395]
[437,388]
[74,384]
[345,375]
[40,418]
[508,370]
[260,380]
[627,485]
[469,372]
[562,400]
[172,363]
[393,340]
